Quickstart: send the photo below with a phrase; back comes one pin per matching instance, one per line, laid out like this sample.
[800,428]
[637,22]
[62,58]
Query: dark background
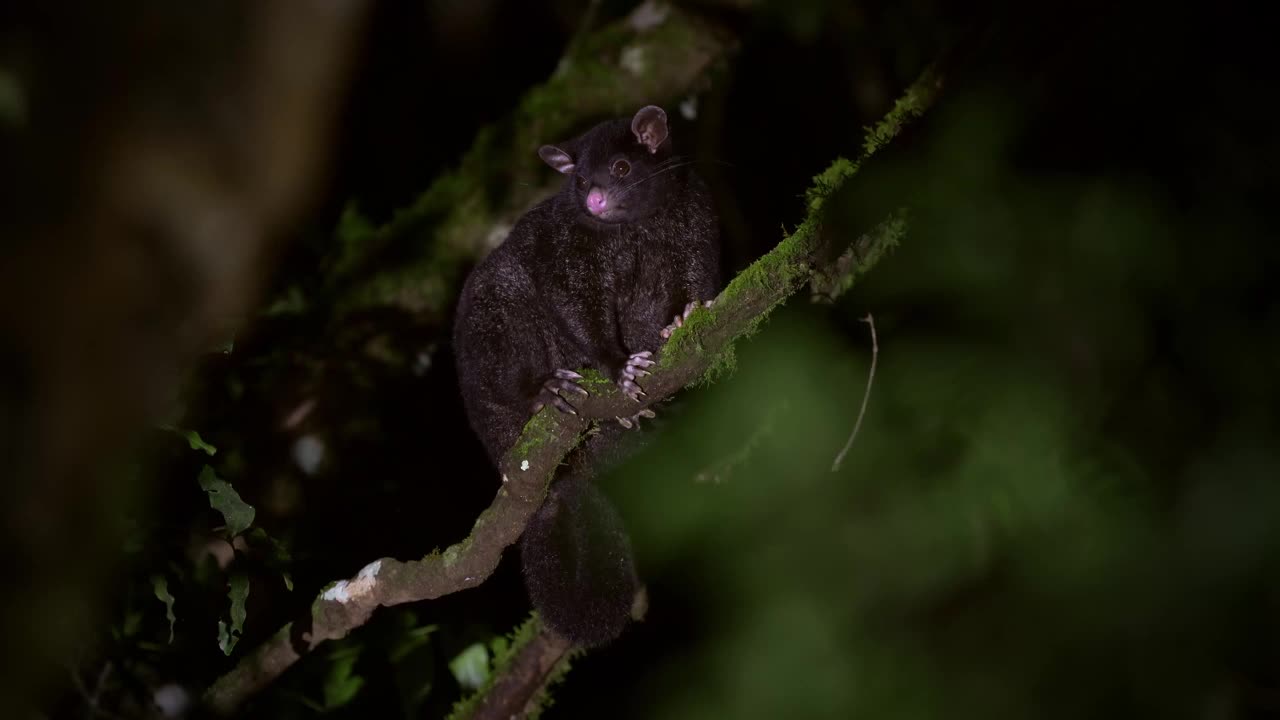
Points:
[1062,498]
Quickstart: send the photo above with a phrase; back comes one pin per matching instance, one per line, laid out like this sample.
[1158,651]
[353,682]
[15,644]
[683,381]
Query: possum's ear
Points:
[556,158]
[650,127]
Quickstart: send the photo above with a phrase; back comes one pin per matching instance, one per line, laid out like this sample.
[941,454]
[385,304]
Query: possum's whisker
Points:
[679,158]
[718,161]
[627,190]
[669,162]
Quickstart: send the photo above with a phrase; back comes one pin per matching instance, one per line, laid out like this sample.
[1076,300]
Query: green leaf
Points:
[193,439]
[303,699]
[292,303]
[222,497]
[413,662]
[409,640]
[160,585]
[342,684]
[471,666]
[278,556]
[226,641]
[238,593]
[500,646]
[129,627]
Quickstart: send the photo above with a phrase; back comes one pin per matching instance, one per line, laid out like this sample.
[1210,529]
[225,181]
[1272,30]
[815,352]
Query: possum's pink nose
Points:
[596,201]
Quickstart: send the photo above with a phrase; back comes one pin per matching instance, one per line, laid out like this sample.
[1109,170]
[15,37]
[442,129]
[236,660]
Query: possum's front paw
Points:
[679,320]
[554,390]
[632,371]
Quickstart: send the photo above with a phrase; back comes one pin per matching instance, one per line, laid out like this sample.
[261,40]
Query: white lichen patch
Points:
[634,59]
[524,466]
[369,572]
[649,15]
[337,593]
[344,591]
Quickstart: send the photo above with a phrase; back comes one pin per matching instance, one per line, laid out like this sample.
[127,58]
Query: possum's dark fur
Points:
[586,279]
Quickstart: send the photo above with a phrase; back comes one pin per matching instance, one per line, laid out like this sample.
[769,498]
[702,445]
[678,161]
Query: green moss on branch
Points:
[707,340]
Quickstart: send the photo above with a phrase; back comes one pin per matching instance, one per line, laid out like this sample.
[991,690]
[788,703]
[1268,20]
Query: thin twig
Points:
[866,395]
[724,466]
[92,708]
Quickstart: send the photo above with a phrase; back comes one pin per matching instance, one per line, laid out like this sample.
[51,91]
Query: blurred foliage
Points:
[222,497]
[1037,519]
[342,684]
[229,632]
[471,667]
[195,441]
[13,101]
[161,586]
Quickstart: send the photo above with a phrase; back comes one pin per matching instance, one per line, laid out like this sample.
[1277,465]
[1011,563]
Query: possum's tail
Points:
[578,565]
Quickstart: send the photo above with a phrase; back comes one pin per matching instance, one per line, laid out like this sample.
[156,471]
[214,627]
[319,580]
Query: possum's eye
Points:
[582,182]
[620,168]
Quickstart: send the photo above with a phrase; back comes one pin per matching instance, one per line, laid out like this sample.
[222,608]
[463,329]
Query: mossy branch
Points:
[517,686]
[658,54]
[694,353]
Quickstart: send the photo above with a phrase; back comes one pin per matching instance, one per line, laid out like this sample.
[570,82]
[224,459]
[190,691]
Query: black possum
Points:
[589,278]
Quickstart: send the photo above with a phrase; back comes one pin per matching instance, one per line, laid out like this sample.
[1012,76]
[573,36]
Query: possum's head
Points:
[620,170]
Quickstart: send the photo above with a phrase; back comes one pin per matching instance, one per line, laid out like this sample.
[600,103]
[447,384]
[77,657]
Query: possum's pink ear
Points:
[556,158]
[650,127]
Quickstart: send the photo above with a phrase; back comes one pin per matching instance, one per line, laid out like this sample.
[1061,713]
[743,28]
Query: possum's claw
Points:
[556,388]
[569,375]
[632,371]
[632,390]
[637,363]
[679,319]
